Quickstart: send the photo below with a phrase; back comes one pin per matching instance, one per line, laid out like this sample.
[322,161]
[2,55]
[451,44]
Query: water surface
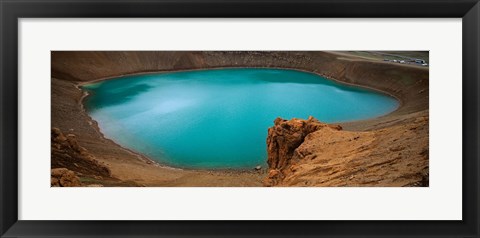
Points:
[219,118]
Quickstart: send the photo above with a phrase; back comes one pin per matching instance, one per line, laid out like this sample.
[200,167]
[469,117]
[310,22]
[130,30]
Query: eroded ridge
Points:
[311,153]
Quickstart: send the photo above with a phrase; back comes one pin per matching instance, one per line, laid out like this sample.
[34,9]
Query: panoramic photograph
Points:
[239,119]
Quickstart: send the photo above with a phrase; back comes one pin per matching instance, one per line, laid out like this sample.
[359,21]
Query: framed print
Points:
[225,118]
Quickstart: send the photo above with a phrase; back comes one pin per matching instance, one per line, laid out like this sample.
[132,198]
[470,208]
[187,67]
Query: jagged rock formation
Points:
[310,153]
[63,177]
[282,141]
[67,154]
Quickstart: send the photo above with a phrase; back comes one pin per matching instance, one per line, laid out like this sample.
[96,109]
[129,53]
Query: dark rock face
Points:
[67,154]
[282,141]
[63,177]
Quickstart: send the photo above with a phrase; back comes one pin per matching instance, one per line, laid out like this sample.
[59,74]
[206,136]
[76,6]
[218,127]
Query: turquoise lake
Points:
[218,119]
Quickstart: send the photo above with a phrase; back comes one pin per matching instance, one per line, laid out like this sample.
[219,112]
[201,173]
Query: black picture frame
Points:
[12,10]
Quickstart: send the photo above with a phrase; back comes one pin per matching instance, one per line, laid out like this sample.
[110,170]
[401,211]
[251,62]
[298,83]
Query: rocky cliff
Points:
[282,142]
[69,160]
[310,153]
[62,177]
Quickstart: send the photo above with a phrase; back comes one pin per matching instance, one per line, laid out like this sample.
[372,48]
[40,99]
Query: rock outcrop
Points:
[311,153]
[67,154]
[282,141]
[63,177]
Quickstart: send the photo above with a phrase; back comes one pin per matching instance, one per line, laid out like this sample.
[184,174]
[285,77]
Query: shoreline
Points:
[399,99]
[79,84]
[94,123]
[145,158]
[96,126]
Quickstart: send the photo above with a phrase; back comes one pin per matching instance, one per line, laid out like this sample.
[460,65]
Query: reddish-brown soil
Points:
[310,153]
